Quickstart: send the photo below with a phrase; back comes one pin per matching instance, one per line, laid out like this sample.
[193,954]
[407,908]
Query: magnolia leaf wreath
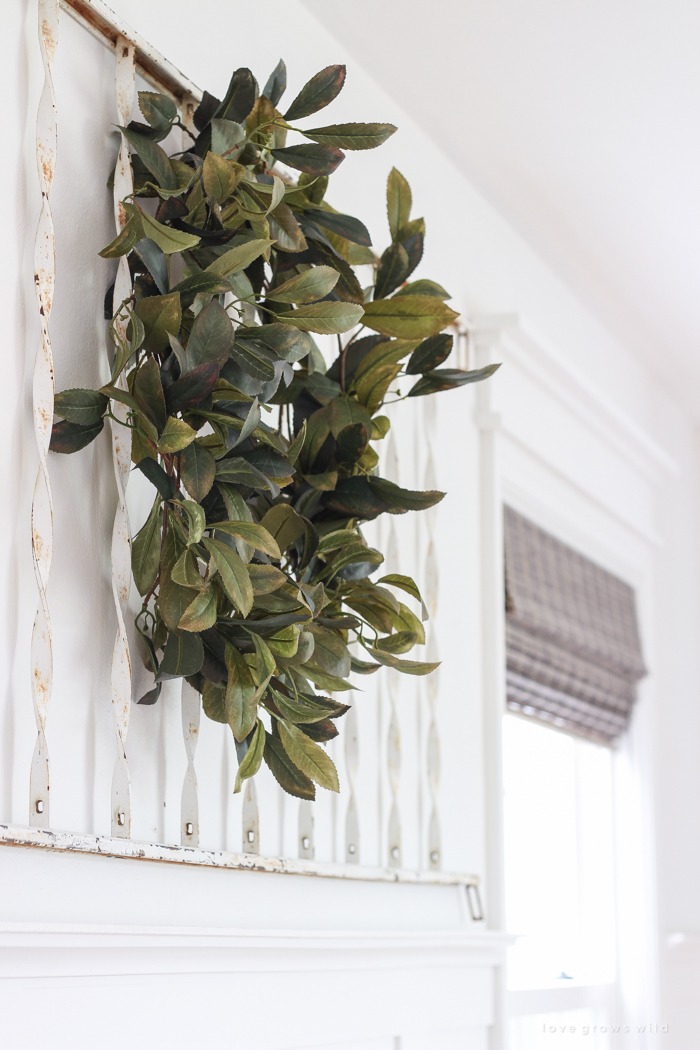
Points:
[252,566]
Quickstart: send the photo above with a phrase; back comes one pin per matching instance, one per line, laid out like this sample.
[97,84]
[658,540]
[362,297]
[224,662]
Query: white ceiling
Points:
[580,121]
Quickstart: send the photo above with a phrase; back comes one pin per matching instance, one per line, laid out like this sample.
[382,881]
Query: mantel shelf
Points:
[102,845]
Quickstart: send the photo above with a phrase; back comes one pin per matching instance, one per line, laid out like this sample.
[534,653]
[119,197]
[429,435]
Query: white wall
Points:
[489,270]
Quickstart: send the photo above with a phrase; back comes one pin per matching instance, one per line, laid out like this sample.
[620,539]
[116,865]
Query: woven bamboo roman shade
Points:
[573,653]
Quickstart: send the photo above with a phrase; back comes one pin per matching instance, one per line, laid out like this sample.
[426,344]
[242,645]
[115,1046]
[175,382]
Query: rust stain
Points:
[47,169]
[42,687]
[50,42]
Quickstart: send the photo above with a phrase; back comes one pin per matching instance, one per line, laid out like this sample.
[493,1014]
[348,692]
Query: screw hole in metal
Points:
[434,857]
[351,848]
[394,852]
[251,836]
[40,805]
[189,828]
[121,819]
[306,842]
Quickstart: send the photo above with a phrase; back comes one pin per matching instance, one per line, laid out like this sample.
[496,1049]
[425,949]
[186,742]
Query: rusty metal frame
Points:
[68,842]
[106,26]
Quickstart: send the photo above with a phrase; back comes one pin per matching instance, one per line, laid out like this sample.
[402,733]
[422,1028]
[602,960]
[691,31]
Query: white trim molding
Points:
[571,389]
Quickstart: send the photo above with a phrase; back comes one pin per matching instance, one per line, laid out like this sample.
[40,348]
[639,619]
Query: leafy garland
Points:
[256,577]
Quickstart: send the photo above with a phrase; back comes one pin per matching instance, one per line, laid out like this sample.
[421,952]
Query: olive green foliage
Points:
[253,569]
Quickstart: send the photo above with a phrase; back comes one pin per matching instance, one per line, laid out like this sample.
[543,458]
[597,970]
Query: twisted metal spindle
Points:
[43,402]
[433,680]
[352,763]
[121,455]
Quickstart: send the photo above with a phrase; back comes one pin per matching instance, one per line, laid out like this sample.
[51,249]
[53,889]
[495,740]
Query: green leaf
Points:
[160,314]
[253,757]
[154,157]
[314,188]
[264,660]
[256,535]
[317,93]
[86,407]
[377,370]
[309,757]
[159,110]
[406,620]
[431,353]
[284,524]
[166,486]
[148,392]
[404,499]
[186,573]
[380,427]
[251,423]
[405,583]
[330,652]
[238,471]
[71,437]
[343,225]
[307,287]
[363,666]
[287,775]
[201,614]
[356,498]
[239,258]
[424,287]
[225,134]
[301,710]
[398,202]
[265,578]
[448,379]
[211,338]
[240,96]
[173,599]
[219,177]
[167,239]
[408,316]
[207,283]
[393,267]
[183,655]
[400,642]
[214,701]
[196,517]
[326,681]
[176,435]
[276,83]
[286,229]
[241,702]
[296,446]
[312,158]
[284,642]
[125,240]
[233,573]
[145,550]
[352,136]
[197,470]
[326,318]
[236,507]
[255,359]
[414,667]
[187,391]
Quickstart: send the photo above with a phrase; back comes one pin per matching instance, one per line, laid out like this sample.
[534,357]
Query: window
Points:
[559,852]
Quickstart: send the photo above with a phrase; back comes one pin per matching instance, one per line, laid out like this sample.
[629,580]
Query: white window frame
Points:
[520,469]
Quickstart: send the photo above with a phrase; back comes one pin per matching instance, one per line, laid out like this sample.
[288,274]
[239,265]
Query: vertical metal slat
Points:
[121,455]
[43,402]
